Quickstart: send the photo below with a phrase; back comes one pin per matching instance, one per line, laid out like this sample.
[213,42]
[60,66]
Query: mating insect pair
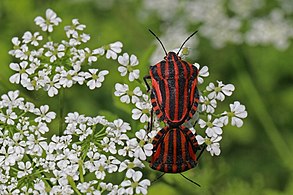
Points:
[174,98]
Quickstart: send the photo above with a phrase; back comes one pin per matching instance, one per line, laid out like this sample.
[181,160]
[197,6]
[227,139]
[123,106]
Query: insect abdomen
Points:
[174,150]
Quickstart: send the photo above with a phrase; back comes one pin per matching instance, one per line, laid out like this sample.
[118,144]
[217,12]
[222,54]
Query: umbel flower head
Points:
[88,145]
[44,64]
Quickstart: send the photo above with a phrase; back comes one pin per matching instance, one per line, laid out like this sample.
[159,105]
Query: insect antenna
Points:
[159,41]
[158,178]
[190,180]
[201,151]
[186,41]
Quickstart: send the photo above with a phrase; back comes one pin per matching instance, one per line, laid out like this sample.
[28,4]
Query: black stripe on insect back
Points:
[182,87]
[159,160]
[161,83]
[172,90]
[179,152]
[170,155]
[162,67]
[187,156]
[188,71]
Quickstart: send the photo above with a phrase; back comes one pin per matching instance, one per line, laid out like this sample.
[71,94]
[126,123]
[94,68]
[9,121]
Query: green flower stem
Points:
[49,36]
[61,111]
[43,173]
[254,98]
[73,185]
[80,162]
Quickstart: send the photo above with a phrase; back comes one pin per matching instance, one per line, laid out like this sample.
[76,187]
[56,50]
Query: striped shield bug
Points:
[174,93]
[174,98]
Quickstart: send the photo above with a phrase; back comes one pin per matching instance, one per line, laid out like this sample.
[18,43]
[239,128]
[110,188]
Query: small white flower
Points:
[141,111]
[111,164]
[207,105]
[68,78]
[36,144]
[77,39]
[29,84]
[53,85]
[50,21]
[75,118]
[220,91]
[99,51]
[213,145]
[122,91]
[96,79]
[54,51]
[142,148]
[39,186]
[90,56]
[203,72]
[23,52]
[94,158]
[135,184]
[236,114]
[127,66]
[25,169]
[83,131]
[213,129]
[113,49]
[127,164]
[129,148]
[12,99]
[27,107]
[121,126]
[9,117]
[34,39]
[44,114]
[100,167]
[23,72]
[87,187]
[16,45]
[74,28]
[108,146]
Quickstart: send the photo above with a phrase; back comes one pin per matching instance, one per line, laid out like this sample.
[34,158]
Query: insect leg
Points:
[189,179]
[150,123]
[146,83]
[201,151]
[158,178]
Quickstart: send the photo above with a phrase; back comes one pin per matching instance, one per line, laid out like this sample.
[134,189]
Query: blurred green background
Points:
[255,159]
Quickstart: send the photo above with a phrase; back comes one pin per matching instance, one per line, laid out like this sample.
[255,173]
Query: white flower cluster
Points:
[26,156]
[273,29]
[91,150]
[208,120]
[51,65]
[22,141]
[227,22]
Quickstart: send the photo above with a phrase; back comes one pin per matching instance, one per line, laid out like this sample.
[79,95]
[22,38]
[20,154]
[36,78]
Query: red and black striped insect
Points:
[174,98]
[174,93]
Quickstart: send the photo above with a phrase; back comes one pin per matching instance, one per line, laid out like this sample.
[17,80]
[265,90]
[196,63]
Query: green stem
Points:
[80,163]
[73,185]
[61,111]
[262,113]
